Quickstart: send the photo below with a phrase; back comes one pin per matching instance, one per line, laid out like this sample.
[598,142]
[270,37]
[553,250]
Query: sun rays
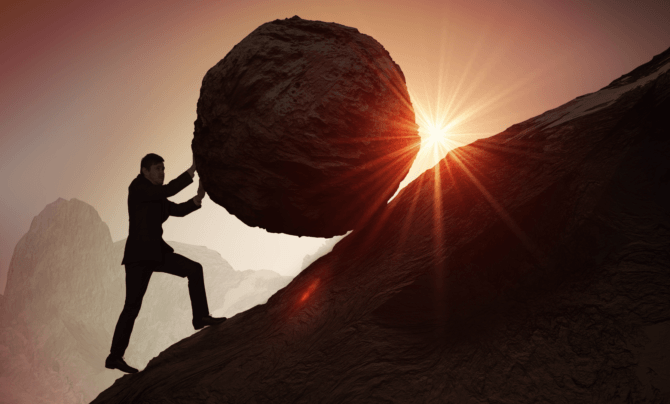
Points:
[456,111]
[461,97]
[445,125]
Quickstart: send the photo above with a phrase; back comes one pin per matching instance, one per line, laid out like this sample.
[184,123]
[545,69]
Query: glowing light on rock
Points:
[312,287]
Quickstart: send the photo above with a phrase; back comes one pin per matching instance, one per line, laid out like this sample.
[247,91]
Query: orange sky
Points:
[89,87]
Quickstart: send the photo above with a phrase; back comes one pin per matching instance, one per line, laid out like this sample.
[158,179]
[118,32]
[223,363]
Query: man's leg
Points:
[179,265]
[137,280]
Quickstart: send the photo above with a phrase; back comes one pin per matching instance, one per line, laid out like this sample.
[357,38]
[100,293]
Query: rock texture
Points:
[304,128]
[65,291]
[529,267]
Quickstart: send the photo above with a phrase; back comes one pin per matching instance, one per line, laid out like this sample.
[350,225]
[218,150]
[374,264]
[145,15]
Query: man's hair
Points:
[149,160]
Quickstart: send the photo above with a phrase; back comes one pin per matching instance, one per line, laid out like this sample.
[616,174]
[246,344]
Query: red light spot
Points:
[309,290]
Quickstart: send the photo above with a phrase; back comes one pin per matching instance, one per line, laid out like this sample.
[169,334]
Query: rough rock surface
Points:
[529,267]
[304,128]
[65,291]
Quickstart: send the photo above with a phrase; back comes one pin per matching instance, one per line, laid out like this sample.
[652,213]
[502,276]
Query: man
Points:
[146,252]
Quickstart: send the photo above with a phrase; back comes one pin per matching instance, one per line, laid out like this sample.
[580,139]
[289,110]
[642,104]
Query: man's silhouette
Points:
[146,252]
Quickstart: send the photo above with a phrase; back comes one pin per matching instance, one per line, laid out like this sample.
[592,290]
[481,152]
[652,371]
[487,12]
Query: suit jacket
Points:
[148,208]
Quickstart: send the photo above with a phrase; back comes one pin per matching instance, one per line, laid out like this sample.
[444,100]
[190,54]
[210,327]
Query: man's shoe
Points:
[118,363]
[207,320]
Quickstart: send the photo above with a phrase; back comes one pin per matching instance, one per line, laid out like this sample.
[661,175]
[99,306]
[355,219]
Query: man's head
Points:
[153,168]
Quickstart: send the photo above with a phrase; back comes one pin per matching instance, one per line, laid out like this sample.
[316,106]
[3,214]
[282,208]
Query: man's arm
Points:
[150,192]
[182,209]
[189,206]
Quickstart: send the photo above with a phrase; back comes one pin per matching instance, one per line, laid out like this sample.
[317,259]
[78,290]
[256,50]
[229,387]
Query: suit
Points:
[148,208]
[146,252]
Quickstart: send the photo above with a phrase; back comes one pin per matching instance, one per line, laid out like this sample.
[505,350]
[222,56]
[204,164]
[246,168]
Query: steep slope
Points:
[65,290]
[533,266]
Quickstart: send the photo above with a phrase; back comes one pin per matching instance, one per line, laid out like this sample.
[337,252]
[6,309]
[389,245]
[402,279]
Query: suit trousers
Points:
[138,275]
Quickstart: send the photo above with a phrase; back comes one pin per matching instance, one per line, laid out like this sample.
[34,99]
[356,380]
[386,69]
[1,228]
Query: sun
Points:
[436,131]
[434,135]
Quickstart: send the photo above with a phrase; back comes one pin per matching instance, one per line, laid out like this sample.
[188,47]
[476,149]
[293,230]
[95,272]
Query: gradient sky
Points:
[89,87]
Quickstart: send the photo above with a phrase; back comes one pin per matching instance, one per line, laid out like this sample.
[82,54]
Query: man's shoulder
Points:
[138,186]
[139,181]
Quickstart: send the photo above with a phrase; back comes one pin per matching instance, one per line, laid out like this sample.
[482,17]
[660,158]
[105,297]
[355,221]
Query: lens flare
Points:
[310,290]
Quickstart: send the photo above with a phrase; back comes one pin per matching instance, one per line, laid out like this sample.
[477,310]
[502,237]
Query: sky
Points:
[89,87]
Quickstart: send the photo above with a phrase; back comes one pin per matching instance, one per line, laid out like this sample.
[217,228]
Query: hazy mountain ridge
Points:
[532,266]
[65,291]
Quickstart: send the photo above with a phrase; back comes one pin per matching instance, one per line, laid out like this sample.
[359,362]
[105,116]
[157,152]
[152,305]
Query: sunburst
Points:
[434,135]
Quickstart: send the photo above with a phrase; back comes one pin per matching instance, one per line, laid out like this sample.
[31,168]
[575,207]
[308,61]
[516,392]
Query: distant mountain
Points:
[65,291]
[529,267]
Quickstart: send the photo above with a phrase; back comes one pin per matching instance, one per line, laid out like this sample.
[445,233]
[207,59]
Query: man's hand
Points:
[191,170]
[201,194]
[201,190]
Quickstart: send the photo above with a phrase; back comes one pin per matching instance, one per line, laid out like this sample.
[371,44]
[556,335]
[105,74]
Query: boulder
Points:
[304,128]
